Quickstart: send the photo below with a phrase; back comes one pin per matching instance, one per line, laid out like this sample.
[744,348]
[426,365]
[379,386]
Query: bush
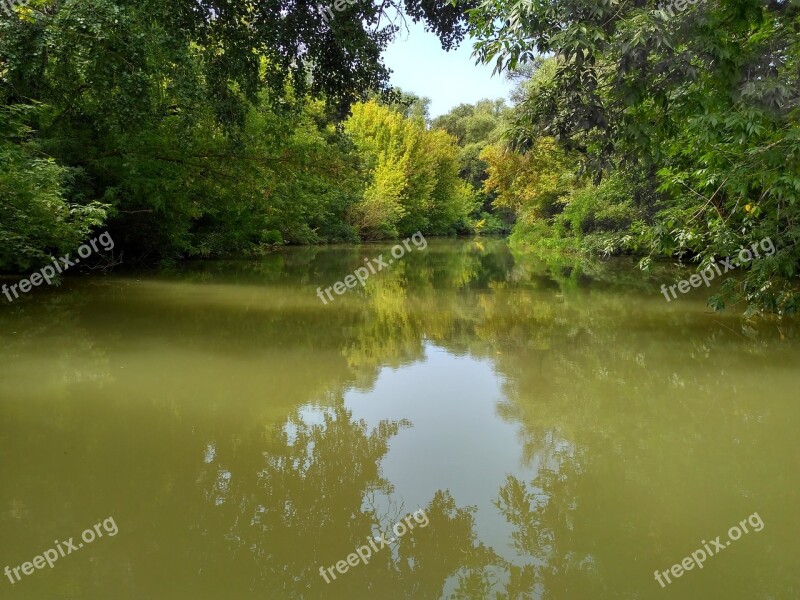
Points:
[36,218]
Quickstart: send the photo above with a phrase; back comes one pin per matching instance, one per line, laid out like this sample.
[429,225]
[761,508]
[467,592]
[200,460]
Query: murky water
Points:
[564,431]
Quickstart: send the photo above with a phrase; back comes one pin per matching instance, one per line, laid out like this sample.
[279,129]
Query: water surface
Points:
[565,430]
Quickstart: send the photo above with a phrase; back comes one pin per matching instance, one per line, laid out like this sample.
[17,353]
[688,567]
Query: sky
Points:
[447,78]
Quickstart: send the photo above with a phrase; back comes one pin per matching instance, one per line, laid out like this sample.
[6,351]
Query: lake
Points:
[555,428]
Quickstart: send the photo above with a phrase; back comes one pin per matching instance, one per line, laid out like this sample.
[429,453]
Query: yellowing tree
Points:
[410,173]
[530,185]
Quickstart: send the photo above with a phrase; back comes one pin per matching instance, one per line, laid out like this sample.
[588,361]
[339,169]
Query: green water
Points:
[564,429]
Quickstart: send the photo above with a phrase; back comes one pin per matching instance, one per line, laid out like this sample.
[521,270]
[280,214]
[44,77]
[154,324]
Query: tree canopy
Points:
[220,127]
[203,128]
[703,97]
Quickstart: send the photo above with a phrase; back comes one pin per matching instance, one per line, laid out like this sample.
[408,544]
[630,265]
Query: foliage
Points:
[474,127]
[36,219]
[199,129]
[707,98]
[612,206]
[409,105]
[411,174]
[531,184]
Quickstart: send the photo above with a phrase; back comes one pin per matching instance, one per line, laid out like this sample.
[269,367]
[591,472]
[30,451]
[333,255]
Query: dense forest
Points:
[215,128]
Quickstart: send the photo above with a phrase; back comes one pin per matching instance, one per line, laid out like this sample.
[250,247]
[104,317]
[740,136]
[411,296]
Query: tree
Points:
[36,218]
[188,128]
[411,175]
[707,97]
